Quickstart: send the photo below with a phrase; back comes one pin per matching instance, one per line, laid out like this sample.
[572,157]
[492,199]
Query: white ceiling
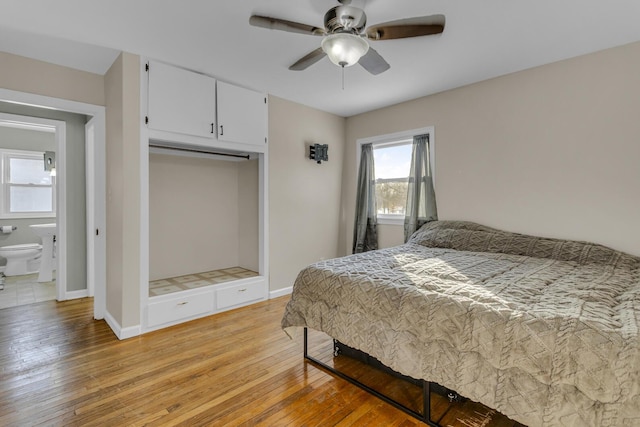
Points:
[481,40]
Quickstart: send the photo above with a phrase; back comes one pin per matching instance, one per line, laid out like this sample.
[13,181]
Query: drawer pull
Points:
[183,303]
[242,290]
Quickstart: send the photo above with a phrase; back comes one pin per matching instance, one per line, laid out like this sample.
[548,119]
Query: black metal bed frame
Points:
[425,417]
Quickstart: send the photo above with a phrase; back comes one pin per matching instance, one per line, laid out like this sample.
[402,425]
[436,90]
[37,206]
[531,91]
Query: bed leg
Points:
[426,389]
[426,402]
[306,353]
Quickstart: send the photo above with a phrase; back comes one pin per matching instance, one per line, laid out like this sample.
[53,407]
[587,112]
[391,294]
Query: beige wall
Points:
[304,197]
[122,86]
[28,75]
[248,215]
[198,209]
[550,151]
[389,235]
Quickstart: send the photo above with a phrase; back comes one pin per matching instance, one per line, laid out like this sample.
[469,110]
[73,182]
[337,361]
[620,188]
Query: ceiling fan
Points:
[345,39]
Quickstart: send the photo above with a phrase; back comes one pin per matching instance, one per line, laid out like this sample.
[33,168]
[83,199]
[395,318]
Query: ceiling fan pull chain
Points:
[342,77]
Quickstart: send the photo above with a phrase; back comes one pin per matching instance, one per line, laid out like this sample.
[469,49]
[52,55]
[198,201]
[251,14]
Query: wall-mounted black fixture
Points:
[319,152]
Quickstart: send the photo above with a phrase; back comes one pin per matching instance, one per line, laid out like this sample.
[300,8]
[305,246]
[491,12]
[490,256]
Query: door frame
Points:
[96,213]
[98,113]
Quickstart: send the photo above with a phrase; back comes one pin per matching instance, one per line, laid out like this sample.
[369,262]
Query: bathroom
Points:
[27,165]
[28,203]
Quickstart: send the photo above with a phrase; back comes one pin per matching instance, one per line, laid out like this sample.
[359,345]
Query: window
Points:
[392,164]
[28,191]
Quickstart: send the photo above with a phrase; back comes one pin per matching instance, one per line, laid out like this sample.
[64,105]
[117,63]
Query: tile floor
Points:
[21,290]
[198,280]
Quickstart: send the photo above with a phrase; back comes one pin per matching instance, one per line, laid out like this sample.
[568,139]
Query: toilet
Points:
[21,259]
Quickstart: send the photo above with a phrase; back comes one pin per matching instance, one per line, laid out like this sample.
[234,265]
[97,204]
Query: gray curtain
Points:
[365,232]
[421,197]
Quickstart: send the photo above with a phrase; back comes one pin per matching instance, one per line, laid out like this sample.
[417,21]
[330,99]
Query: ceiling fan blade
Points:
[410,27]
[283,25]
[373,62]
[308,60]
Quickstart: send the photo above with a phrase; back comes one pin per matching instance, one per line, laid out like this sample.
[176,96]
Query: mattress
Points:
[545,331]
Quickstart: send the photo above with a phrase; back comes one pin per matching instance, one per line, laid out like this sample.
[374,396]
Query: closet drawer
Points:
[179,308]
[239,294]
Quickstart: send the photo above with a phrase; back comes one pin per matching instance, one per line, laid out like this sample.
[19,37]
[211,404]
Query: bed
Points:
[545,331]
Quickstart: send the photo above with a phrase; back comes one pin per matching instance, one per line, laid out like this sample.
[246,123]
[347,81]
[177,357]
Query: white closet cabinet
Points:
[242,115]
[188,111]
[181,101]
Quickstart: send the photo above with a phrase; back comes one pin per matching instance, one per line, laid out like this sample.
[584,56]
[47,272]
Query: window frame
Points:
[394,139]
[5,186]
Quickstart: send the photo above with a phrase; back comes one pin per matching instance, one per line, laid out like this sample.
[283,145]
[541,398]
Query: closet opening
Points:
[203,218]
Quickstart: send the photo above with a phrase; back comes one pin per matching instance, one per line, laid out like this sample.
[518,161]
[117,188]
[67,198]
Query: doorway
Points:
[31,177]
[94,160]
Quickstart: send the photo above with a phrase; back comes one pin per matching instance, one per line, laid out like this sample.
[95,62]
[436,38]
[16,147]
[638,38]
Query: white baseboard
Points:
[131,331]
[121,333]
[82,293]
[280,292]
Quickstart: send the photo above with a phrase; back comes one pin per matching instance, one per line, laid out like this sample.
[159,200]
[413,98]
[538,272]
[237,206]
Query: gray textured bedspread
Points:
[545,331]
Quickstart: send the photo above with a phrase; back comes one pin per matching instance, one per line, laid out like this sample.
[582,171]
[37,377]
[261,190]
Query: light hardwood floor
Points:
[59,367]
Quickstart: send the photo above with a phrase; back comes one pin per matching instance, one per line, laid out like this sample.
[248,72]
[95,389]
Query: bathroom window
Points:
[28,191]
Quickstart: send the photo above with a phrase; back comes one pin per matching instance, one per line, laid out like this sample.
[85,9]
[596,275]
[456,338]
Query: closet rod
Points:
[191,150]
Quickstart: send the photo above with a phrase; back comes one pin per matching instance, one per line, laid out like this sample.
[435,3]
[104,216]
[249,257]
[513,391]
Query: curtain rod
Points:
[192,150]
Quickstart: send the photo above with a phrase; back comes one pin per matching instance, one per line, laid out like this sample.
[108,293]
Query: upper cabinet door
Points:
[181,101]
[242,115]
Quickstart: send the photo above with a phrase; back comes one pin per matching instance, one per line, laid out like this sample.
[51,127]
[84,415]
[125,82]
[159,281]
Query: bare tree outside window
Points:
[391,195]
[392,165]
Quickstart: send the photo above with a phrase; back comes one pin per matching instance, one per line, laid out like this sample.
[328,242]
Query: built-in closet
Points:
[204,204]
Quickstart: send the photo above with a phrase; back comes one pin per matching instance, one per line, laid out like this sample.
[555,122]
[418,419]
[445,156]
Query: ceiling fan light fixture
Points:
[344,49]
